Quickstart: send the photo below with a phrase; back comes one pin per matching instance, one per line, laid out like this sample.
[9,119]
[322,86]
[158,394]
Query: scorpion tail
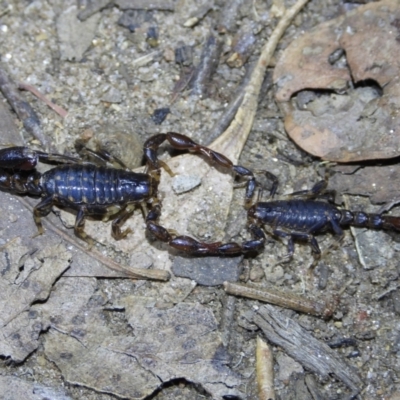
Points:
[391,223]
[371,221]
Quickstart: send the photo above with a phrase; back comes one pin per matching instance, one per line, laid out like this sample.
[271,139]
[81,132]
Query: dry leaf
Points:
[352,113]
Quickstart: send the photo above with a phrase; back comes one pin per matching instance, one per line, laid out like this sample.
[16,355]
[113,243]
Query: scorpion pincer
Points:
[300,219]
[108,192]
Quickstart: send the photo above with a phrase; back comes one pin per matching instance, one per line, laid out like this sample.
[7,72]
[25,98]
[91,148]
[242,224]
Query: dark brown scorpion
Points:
[90,189]
[313,212]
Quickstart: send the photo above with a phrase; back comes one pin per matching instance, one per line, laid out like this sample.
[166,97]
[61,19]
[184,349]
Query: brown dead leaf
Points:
[348,123]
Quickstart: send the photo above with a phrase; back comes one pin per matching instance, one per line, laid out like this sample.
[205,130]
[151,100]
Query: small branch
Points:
[232,141]
[265,371]
[59,110]
[321,308]
[25,112]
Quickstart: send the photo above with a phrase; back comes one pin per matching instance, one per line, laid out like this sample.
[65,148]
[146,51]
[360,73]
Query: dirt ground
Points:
[87,333]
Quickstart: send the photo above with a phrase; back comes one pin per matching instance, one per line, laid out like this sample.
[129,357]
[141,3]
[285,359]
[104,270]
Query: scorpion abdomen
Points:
[92,185]
[296,215]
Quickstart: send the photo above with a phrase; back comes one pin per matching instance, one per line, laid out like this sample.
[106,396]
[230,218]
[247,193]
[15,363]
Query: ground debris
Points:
[210,271]
[23,389]
[167,5]
[303,347]
[379,183]
[75,36]
[165,341]
[133,366]
[26,278]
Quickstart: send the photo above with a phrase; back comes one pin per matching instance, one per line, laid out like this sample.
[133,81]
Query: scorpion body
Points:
[109,192]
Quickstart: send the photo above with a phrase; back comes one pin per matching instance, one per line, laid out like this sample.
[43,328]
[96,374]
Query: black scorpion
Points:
[313,212]
[109,192]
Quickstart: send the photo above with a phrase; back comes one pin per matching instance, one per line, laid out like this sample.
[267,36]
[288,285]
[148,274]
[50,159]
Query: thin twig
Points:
[59,110]
[232,141]
[322,308]
[25,112]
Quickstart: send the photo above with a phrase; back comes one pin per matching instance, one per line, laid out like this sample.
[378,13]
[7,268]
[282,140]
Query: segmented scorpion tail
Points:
[391,223]
[372,221]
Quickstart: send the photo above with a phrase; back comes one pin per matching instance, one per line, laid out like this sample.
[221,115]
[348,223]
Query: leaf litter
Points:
[338,87]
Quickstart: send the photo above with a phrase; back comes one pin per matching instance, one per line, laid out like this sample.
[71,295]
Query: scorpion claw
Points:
[189,245]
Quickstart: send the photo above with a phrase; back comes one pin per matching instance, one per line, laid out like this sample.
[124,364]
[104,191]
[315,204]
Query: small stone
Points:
[256,273]
[112,96]
[184,183]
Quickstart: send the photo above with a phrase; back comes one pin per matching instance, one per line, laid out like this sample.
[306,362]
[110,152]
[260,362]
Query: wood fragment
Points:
[25,112]
[264,370]
[228,310]
[242,46]
[232,141]
[312,387]
[59,110]
[321,308]
[199,14]
[228,16]
[310,352]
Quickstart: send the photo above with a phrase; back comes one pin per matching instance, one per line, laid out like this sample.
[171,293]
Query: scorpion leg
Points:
[117,223]
[301,236]
[319,190]
[44,207]
[258,242]
[41,210]
[101,156]
[56,158]
[80,226]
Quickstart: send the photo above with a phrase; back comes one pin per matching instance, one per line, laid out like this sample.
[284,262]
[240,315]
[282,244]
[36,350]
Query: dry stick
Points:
[22,108]
[59,110]
[321,308]
[231,142]
[264,370]
[135,273]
